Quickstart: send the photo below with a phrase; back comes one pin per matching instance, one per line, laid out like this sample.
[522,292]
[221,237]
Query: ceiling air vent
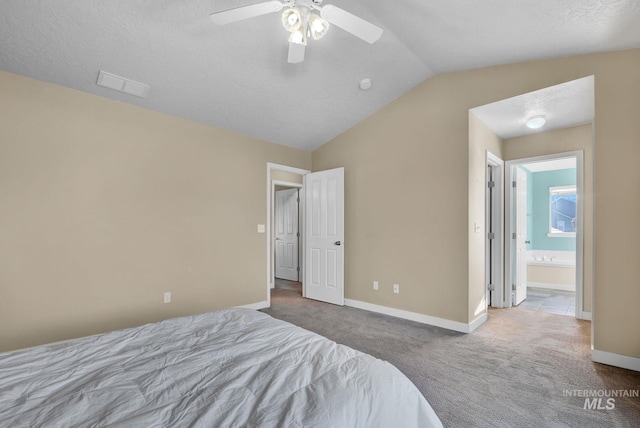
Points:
[111,81]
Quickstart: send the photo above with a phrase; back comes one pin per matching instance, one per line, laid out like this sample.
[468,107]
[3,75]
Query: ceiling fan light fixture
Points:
[536,122]
[317,26]
[298,37]
[292,19]
[303,19]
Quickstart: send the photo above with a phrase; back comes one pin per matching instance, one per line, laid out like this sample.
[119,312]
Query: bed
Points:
[228,368]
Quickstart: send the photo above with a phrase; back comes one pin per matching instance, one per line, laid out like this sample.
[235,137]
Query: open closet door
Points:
[324,236]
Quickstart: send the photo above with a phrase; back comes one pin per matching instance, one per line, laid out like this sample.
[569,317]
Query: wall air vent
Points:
[121,84]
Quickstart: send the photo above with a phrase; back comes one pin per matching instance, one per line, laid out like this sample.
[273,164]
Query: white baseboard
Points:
[617,360]
[257,306]
[586,316]
[421,318]
[549,286]
[478,322]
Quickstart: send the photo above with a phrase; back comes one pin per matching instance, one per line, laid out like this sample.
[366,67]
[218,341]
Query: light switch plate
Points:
[261,228]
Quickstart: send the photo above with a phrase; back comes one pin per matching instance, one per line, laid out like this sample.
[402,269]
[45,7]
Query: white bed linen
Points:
[229,368]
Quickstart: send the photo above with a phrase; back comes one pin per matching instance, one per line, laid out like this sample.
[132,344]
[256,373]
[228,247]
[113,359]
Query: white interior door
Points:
[286,234]
[324,236]
[521,236]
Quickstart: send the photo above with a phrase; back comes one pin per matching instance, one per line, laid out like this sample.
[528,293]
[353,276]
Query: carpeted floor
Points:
[513,371]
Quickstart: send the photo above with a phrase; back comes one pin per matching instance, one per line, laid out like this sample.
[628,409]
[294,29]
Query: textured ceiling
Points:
[237,77]
[564,105]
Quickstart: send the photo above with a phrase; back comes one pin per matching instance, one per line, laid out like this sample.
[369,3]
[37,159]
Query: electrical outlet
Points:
[167,297]
[375,285]
[396,288]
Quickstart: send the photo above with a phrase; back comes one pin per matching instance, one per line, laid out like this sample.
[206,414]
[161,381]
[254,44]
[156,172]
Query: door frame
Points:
[495,263]
[509,177]
[268,229]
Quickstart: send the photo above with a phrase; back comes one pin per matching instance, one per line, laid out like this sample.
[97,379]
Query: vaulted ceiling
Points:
[237,77]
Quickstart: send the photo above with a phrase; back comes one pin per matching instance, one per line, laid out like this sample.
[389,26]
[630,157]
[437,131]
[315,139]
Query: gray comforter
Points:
[229,368]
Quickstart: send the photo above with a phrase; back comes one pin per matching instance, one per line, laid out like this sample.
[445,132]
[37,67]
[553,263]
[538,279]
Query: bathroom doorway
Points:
[544,245]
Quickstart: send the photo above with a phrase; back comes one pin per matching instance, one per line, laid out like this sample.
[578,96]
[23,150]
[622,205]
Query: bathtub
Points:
[551,269]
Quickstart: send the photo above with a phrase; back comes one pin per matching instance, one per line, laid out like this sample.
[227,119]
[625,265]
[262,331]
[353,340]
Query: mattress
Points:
[229,368]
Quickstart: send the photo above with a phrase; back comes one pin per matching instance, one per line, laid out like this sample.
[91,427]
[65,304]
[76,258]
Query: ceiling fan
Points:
[302,21]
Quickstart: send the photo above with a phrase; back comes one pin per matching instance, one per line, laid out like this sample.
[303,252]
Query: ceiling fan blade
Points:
[296,53]
[351,23]
[246,12]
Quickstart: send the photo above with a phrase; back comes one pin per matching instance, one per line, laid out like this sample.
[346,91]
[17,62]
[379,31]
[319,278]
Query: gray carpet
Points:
[511,372]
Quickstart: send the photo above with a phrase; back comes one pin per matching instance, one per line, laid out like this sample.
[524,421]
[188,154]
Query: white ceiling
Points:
[564,105]
[237,77]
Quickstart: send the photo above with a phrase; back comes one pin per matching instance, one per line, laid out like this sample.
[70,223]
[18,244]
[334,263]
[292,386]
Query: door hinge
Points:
[491,287]
[298,200]
[298,268]
[513,287]
[514,235]
[514,184]
[298,234]
[491,235]
[491,184]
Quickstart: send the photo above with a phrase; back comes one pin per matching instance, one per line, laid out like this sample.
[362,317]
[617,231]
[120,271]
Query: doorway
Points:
[544,245]
[320,235]
[282,177]
[504,128]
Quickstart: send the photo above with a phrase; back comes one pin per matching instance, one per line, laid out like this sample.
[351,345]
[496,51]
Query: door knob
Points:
[338,243]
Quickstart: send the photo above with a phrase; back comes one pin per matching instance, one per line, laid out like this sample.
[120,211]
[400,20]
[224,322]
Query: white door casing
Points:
[286,234]
[495,225]
[324,232]
[520,292]
[489,229]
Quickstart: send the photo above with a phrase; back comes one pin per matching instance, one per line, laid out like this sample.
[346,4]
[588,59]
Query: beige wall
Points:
[286,176]
[481,140]
[104,206]
[406,202]
[407,188]
[560,141]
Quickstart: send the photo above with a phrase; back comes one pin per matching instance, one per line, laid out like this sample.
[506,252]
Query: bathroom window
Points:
[562,211]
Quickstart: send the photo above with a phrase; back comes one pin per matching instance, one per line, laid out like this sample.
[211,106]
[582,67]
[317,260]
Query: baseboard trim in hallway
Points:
[616,360]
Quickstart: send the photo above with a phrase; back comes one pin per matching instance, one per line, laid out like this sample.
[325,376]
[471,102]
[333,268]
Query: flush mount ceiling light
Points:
[536,122]
[303,19]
